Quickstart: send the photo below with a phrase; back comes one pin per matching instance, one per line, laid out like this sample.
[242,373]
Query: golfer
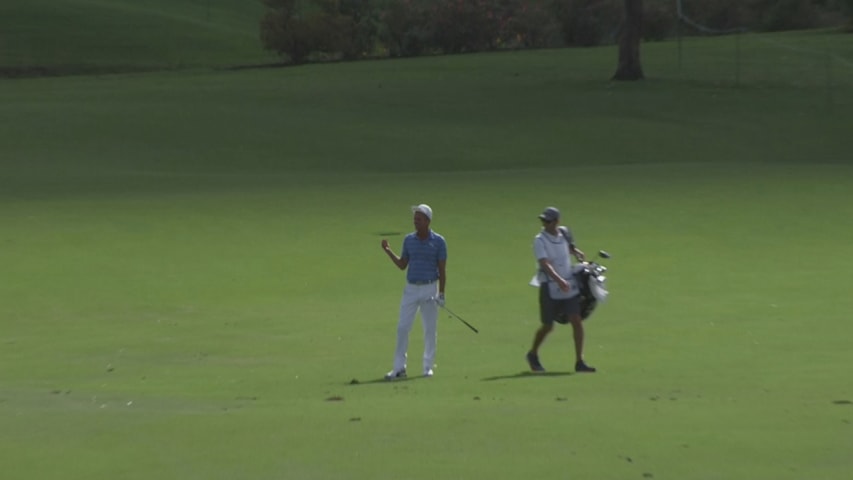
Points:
[425,254]
[559,295]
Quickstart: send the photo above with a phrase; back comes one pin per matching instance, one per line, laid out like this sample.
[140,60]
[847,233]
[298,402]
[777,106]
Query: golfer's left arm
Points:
[442,276]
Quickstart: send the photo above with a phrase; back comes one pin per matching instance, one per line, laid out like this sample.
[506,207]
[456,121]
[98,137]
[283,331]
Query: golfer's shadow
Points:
[525,374]
[384,380]
[528,375]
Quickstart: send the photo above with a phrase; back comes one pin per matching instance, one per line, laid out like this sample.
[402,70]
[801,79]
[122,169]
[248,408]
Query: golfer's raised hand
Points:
[384,244]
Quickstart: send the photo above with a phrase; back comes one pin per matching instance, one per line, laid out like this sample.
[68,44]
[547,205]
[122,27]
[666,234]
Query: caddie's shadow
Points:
[528,375]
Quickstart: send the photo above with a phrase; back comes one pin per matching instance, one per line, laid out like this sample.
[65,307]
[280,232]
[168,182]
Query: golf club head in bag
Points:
[593,284]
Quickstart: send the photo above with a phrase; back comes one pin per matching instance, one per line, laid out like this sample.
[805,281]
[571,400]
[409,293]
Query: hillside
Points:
[86,36]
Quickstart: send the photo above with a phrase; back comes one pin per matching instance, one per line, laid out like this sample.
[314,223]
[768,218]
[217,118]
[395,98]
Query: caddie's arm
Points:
[546,267]
[577,253]
[401,263]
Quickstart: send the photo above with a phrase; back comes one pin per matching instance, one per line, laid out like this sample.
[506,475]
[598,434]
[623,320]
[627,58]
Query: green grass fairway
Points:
[203,334]
[192,278]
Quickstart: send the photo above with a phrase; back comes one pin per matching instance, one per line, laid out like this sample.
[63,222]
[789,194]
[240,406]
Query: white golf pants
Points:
[417,297]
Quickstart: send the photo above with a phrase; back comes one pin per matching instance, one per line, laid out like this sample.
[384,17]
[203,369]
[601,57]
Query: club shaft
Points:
[460,319]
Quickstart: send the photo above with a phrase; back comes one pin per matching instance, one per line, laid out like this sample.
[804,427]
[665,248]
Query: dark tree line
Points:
[317,30]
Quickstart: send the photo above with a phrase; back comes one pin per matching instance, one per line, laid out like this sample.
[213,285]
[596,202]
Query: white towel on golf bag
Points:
[599,292]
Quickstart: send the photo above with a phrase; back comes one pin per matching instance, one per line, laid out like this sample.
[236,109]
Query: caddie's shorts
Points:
[551,310]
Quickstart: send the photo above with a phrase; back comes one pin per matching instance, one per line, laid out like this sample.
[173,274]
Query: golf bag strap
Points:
[565,233]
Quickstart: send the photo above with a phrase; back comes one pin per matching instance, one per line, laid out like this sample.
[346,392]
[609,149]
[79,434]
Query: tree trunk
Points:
[629,67]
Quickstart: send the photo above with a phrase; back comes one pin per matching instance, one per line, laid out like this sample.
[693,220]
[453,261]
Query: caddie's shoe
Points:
[395,374]
[533,361]
[428,372]
[583,367]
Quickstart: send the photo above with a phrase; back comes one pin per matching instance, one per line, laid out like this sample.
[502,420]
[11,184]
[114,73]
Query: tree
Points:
[284,30]
[629,67]
[848,4]
[332,28]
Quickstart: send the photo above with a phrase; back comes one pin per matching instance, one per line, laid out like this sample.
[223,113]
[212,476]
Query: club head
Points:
[603,254]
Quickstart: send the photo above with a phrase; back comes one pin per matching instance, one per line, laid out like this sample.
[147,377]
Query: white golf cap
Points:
[423,208]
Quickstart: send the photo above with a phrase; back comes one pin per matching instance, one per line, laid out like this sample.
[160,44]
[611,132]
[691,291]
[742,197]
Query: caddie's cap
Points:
[550,214]
[423,208]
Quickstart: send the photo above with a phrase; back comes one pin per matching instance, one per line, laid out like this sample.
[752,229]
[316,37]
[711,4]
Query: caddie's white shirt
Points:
[556,249]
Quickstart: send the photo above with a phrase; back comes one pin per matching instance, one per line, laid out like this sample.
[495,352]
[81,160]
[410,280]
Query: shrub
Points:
[465,25]
[529,24]
[588,23]
[404,27]
[781,15]
[283,31]
[332,28]
[848,9]
[719,14]
[356,24]
[659,20]
[762,15]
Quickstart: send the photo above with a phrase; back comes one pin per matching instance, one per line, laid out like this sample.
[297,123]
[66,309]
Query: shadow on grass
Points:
[355,382]
[528,375]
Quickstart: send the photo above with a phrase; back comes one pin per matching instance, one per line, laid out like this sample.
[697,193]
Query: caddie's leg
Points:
[546,316]
[539,336]
[429,315]
[577,327]
[408,310]
[578,334]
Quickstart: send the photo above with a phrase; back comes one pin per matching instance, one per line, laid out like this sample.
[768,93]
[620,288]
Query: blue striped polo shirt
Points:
[423,256]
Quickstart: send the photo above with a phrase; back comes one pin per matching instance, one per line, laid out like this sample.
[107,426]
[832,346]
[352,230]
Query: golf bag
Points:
[590,279]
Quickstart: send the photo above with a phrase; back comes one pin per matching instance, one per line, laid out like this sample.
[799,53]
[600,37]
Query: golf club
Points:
[592,282]
[457,317]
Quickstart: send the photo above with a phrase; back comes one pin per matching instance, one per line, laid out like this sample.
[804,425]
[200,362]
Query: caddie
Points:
[559,295]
